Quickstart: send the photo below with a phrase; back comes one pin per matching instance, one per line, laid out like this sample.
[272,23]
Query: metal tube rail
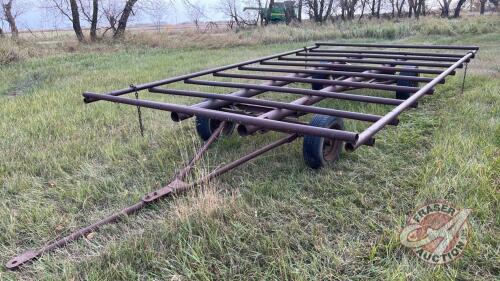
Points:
[195,74]
[368,134]
[356,67]
[318,93]
[369,61]
[31,255]
[380,56]
[458,56]
[175,187]
[231,117]
[181,174]
[352,84]
[399,46]
[339,73]
[243,93]
[289,119]
[249,157]
[306,100]
[249,108]
[275,104]
[246,92]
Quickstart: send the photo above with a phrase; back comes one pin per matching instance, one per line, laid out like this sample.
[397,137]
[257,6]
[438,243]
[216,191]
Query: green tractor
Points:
[280,12]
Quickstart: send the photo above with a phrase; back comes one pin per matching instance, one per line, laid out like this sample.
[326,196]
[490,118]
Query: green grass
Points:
[65,164]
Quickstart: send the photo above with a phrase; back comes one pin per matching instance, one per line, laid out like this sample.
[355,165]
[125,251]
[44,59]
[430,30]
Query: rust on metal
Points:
[333,71]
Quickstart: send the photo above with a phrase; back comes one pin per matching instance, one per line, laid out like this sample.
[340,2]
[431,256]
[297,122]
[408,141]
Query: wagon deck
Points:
[332,72]
[335,71]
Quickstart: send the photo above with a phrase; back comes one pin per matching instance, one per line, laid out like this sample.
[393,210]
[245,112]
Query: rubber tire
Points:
[316,86]
[406,83]
[206,126]
[313,147]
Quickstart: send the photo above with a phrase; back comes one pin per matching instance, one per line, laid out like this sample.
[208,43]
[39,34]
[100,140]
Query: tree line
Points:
[111,17]
[321,11]
[106,16]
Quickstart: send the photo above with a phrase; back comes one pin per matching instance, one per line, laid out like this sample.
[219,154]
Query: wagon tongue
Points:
[21,259]
[175,185]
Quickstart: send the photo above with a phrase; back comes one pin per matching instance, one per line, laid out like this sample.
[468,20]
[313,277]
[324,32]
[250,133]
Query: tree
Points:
[482,6]
[92,11]
[495,4]
[111,9]
[157,10]
[348,8]
[375,7]
[460,3]
[122,22]
[445,7]
[230,9]
[70,10]
[93,17]
[77,27]
[378,8]
[300,4]
[195,11]
[363,5]
[10,17]
[412,8]
[399,7]
[419,8]
[320,10]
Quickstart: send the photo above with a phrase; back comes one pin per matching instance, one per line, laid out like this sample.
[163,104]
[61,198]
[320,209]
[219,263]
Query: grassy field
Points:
[64,164]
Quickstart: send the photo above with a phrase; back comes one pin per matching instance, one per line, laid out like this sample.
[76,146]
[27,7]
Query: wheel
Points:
[318,151]
[206,126]
[407,83]
[317,86]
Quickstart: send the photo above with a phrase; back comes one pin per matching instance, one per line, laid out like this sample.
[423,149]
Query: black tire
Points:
[407,83]
[206,126]
[316,86]
[317,151]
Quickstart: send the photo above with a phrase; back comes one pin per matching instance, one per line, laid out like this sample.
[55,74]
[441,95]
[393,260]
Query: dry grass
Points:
[366,29]
[202,203]
[65,164]
[375,29]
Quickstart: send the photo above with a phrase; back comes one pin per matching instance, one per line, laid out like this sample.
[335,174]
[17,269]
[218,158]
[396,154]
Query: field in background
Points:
[65,42]
[65,164]
[46,34]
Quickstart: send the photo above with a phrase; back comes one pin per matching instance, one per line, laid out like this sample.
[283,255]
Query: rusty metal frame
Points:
[338,68]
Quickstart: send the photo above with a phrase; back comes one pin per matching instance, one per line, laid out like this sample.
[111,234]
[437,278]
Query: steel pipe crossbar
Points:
[368,61]
[275,104]
[368,134]
[390,69]
[340,73]
[352,84]
[400,46]
[231,117]
[366,51]
[376,56]
[195,74]
[317,93]
[306,100]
